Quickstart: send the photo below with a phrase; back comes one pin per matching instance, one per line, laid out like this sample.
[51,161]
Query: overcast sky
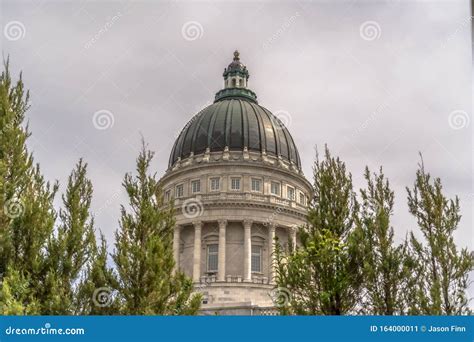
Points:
[377,81]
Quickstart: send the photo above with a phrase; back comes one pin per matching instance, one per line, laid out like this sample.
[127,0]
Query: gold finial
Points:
[236,55]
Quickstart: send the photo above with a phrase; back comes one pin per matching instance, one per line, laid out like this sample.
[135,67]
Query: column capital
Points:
[177,227]
[222,223]
[197,224]
[248,224]
[272,226]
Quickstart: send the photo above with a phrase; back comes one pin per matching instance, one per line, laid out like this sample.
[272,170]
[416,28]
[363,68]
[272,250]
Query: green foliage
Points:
[99,279]
[347,262]
[42,254]
[27,217]
[441,270]
[71,248]
[147,283]
[385,267]
[16,296]
[323,275]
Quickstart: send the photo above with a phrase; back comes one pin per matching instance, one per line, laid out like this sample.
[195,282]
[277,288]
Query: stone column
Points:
[197,251]
[247,250]
[293,230]
[221,257]
[176,243]
[271,252]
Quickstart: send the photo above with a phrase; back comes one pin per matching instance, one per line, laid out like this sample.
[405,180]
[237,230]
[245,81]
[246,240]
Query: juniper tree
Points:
[71,248]
[27,214]
[143,250]
[95,293]
[322,276]
[38,269]
[441,268]
[16,295]
[385,268]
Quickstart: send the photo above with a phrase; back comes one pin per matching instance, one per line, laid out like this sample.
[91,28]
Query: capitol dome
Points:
[235,179]
[235,121]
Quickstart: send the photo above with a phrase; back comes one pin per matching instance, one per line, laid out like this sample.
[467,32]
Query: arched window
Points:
[234,82]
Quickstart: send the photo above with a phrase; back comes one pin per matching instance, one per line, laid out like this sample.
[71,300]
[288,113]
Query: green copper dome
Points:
[235,121]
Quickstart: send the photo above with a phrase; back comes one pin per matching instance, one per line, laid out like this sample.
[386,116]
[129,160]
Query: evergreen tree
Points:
[323,275]
[38,269]
[144,253]
[442,270]
[95,295]
[71,248]
[385,269]
[16,295]
[27,215]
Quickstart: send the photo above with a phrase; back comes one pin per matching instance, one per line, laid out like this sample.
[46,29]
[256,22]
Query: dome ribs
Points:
[236,129]
[179,142]
[218,136]
[197,130]
[228,123]
[236,124]
[202,134]
[212,123]
[260,130]
[245,126]
[270,136]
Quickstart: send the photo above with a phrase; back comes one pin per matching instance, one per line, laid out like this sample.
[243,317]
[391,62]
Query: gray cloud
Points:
[376,101]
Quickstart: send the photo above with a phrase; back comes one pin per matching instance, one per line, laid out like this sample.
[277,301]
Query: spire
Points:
[236,78]
[236,74]
[236,56]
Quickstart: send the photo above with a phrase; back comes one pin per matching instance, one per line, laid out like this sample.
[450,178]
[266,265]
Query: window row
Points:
[235,185]
[213,258]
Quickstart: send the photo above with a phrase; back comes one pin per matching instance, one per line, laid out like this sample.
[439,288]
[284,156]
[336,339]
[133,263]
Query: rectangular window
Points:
[196,186]
[167,195]
[212,258]
[256,259]
[275,188]
[302,199]
[215,184]
[235,183]
[290,193]
[256,185]
[179,191]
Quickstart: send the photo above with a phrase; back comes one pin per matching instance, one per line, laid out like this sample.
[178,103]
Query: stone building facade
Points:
[235,177]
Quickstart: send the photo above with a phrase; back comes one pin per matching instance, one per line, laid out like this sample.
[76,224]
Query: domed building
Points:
[235,177]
